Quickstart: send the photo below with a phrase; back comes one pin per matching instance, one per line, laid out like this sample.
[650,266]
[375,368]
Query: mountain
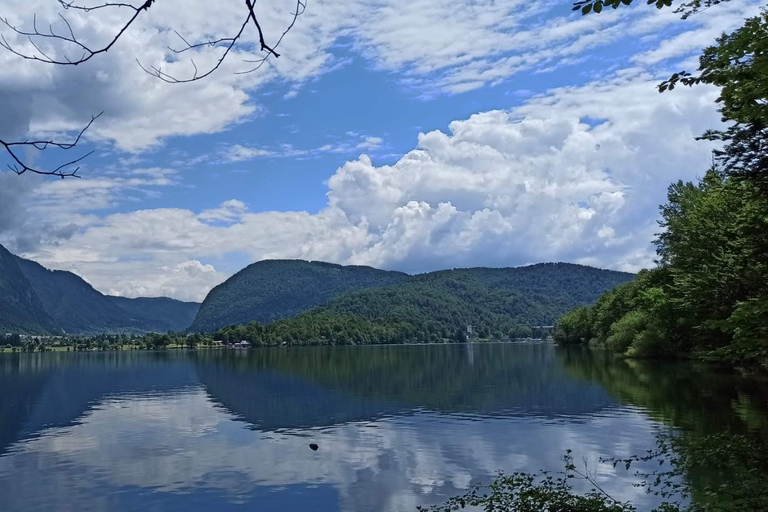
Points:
[21,309]
[272,289]
[500,302]
[36,300]
[158,314]
[496,300]
[560,286]
[75,305]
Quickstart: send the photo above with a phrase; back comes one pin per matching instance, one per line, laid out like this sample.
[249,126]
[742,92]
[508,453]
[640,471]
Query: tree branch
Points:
[69,37]
[62,171]
[85,52]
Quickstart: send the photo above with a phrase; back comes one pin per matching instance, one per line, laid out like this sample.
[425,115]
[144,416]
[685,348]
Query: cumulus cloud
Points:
[188,280]
[572,175]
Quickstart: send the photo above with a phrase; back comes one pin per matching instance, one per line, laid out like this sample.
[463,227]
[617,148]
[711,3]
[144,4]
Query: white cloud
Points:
[229,211]
[392,463]
[370,143]
[575,174]
[451,46]
[188,280]
[238,153]
[537,183]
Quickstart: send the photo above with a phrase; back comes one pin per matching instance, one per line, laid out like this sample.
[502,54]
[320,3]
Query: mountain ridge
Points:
[516,295]
[21,309]
[38,300]
[231,303]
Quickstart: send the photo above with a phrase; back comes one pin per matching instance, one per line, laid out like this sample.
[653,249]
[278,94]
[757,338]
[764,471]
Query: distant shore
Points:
[128,347]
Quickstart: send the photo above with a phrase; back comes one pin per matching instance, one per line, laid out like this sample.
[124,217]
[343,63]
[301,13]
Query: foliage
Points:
[708,295]
[273,289]
[718,472]
[322,329]
[536,492]
[686,8]
[624,330]
[738,65]
[736,467]
[498,303]
[574,327]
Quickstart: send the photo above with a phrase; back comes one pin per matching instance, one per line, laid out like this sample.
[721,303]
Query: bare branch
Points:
[69,37]
[84,52]
[301,6]
[62,171]
[229,43]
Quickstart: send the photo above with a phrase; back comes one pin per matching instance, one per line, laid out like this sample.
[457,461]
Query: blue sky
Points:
[407,135]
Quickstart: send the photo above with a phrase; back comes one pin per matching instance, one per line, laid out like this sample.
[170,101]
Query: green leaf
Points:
[586,9]
[598,6]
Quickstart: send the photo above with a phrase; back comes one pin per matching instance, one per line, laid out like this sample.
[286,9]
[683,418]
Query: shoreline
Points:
[174,347]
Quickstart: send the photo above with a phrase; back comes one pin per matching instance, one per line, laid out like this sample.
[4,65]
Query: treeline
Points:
[124,341]
[320,329]
[708,297]
[429,310]
[273,289]
[438,307]
[327,328]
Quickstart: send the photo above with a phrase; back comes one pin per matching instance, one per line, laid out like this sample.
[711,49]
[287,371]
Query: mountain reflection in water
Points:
[396,426]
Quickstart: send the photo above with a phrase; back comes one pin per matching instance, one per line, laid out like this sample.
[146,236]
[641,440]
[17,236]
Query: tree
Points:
[686,8]
[60,45]
[738,65]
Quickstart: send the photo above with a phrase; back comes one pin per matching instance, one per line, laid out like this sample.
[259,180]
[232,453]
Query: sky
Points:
[409,135]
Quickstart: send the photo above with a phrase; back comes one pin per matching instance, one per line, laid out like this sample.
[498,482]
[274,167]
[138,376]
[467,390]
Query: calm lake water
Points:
[397,426]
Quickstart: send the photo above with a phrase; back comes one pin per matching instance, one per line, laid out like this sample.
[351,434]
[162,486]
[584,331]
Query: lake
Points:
[396,426]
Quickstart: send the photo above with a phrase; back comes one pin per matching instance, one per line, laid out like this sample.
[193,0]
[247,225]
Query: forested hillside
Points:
[21,310]
[274,289]
[157,314]
[74,304]
[36,300]
[708,296]
[438,306]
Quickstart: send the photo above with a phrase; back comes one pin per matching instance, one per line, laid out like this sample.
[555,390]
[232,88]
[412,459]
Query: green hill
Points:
[495,301]
[21,310]
[559,287]
[36,300]
[439,305]
[158,314]
[273,289]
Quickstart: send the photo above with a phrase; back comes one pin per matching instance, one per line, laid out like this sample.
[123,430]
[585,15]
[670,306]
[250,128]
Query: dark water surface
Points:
[397,426]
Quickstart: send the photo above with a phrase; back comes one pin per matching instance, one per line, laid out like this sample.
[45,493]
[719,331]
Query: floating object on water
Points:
[313,447]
